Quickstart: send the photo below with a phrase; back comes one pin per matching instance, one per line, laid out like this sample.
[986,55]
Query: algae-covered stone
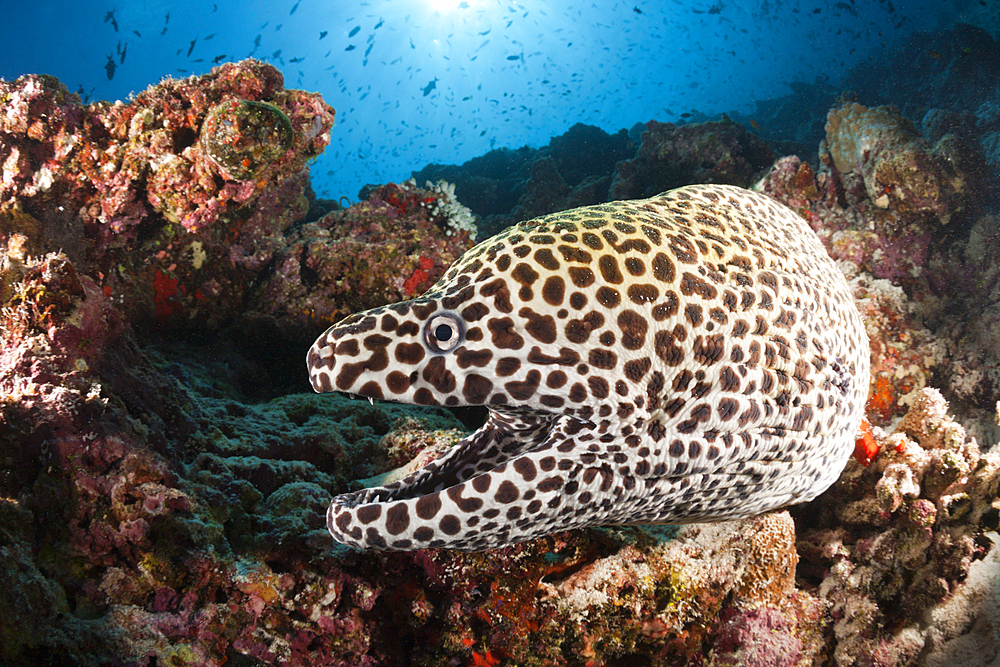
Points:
[242,136]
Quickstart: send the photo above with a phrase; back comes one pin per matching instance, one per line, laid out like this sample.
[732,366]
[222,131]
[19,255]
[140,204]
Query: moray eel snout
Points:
[691,357]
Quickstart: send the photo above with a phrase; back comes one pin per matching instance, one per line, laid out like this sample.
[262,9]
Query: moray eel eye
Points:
[444,332]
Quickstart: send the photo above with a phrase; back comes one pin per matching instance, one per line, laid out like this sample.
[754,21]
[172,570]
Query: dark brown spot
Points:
[424,310]
[497,288]
[635,266]
[397,382]
[389,323]
[474,311]
[450,524]
[467,505]
[546,260]
[637,368]
[708,349]
[371,389]
[436,374]
[693,314]
[550,484]
[729,299]
[503,333]
[633,329]
[423,396]
[624,227]
[605,359]
[554,290]
[522,390]
[481,483]
[525,467]
[428,506]
[651,233]
[581,276]
[642,294]
[730,380]
[507,366]
[577,300]
[692,284]
[727,408]
[608,297]
[607,338]
[476,388]
[506,492]
[683,380]
[667,308]
[466,358]
[609,269]
[663,268]
[555,379]
[598,387]
[578,331]
[348,348]
[503,262]
[574,254]
[667,349]
[541,327]
[397,519]
[368,513]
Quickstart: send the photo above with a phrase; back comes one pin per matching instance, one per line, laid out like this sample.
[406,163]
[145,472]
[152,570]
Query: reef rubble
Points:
[164,476]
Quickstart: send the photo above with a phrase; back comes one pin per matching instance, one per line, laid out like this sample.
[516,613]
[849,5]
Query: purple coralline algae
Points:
[154,510]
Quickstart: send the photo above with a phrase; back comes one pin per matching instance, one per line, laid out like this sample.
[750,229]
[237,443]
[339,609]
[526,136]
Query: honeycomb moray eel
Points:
[691,357]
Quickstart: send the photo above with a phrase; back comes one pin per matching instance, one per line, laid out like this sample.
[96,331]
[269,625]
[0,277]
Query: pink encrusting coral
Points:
[187,174]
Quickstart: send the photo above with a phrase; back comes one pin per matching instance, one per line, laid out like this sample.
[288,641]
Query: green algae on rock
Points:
[241,137]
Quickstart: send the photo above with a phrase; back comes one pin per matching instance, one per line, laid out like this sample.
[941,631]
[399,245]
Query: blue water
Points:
[422,81]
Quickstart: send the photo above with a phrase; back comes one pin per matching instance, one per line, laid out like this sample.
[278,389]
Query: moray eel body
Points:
[691,357]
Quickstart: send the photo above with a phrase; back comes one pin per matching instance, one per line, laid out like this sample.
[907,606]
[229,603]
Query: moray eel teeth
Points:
[695,356]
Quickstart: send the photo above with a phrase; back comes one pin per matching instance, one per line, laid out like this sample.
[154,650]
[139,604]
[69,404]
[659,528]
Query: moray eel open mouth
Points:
[448,487]
[695,356]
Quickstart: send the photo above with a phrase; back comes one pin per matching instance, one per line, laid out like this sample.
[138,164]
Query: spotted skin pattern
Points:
[691,357]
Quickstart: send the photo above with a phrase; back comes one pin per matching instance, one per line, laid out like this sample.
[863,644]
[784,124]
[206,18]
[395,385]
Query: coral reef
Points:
[162,498]
[156,199]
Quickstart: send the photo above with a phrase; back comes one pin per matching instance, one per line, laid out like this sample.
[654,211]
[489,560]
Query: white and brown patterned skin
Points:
[691,357]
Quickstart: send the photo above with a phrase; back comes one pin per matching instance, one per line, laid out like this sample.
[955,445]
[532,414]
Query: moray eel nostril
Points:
[695,356]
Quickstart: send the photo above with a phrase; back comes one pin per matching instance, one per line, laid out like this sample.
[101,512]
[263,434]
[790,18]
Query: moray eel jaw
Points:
[691,357]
